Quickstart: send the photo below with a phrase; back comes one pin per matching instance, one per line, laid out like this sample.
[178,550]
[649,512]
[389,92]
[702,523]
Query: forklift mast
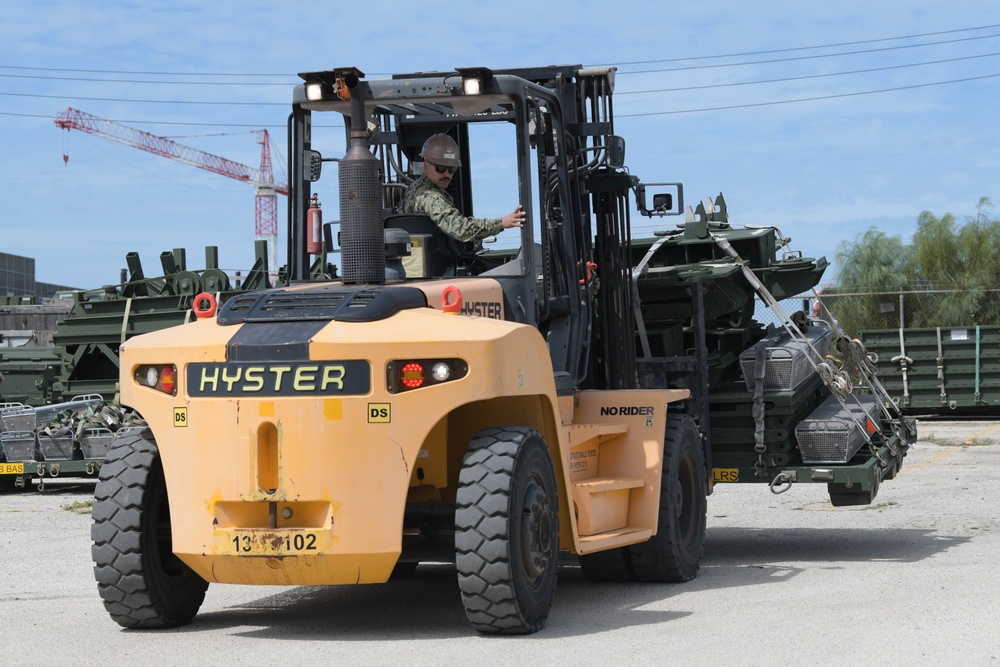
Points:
[571,180]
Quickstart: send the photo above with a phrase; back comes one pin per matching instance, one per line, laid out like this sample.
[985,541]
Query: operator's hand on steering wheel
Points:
[514,219]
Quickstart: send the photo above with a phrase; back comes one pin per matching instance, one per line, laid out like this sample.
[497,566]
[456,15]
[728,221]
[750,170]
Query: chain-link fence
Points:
[767,316]
[864,311]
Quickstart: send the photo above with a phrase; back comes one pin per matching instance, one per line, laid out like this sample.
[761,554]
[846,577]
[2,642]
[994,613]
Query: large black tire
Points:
[143,584]
[7,484]
[507,531]
[610,566]
[674,553]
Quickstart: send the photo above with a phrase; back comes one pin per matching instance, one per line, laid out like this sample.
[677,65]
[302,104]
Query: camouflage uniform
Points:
[425,197]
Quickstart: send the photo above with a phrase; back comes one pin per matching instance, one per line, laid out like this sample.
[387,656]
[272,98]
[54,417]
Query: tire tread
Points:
[482,532]
[123,579]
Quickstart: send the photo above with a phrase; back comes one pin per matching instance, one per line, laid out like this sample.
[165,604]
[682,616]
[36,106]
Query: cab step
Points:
[613,538]
[602,503]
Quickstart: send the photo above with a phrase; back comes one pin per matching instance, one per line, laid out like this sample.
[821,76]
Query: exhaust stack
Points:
[362,245]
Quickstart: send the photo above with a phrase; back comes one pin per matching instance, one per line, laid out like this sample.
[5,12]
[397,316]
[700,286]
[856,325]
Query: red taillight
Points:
[168,381]
[412,375]
[408,374]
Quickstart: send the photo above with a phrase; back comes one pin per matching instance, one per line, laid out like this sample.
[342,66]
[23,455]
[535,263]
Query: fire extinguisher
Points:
[314,226]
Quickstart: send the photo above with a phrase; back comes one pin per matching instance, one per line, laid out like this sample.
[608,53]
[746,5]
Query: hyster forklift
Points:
[566,394]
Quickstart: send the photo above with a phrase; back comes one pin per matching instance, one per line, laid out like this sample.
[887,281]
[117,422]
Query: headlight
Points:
[471,86]
[314,92]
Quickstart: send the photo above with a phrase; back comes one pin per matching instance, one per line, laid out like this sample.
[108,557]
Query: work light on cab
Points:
[162,378]
[406,374]
[314,91]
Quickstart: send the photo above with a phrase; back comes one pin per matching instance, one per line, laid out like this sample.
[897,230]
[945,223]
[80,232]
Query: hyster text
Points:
[482,308]
[246,379]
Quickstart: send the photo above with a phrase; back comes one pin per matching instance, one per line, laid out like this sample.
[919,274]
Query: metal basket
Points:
[832,434]
[18,418]
[786,361]
[4,406]
[55,447]
[95,442]
[18,445]
[47,413]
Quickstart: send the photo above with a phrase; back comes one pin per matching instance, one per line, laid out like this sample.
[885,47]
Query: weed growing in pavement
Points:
[80,506]
[934,440]
[881,506]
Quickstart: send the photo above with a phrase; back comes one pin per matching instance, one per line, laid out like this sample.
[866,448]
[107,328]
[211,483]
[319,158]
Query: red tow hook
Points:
[202,311]
[452,307]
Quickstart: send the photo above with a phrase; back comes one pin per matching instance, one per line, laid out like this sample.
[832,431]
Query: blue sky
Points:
[790,128]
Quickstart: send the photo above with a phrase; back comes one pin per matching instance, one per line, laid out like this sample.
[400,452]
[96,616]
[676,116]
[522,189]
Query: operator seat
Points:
[440,249]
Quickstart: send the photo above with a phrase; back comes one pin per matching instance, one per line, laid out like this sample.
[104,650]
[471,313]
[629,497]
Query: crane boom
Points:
[266,208]
[74,119]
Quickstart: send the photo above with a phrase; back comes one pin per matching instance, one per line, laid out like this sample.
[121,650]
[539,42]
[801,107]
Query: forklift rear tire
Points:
[143,584]
[507,531]
[610,566]
[674,553]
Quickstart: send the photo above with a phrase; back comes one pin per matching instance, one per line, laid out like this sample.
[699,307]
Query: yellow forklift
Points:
[496,407]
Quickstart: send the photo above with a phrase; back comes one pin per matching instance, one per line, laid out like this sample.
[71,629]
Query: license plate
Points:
[272,542]
[11,468]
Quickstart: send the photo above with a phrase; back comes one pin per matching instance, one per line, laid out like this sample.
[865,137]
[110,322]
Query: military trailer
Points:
[53,421]
[939,370]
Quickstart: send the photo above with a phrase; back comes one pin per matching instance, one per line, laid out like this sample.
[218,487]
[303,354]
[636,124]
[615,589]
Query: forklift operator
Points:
[429,195]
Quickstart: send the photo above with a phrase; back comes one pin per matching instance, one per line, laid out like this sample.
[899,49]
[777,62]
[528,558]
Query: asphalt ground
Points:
[913,579]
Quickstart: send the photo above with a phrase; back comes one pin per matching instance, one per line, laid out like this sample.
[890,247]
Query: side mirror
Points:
[312,165]
[669,202]
[663,202]
[614,146]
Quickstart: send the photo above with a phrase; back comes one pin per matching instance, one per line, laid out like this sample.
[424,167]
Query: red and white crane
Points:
[266,214]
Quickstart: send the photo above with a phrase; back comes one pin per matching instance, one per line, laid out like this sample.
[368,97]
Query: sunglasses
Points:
[442,169]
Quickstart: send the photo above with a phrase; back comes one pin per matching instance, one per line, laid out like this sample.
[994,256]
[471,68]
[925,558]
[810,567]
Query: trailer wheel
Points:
[894,468]
[9,483]
[674,553]
[507,531]
[840,496]
[143,584]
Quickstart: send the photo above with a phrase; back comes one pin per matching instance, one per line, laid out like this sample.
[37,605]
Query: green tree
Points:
[962,263]
[868,267]
[950,274]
